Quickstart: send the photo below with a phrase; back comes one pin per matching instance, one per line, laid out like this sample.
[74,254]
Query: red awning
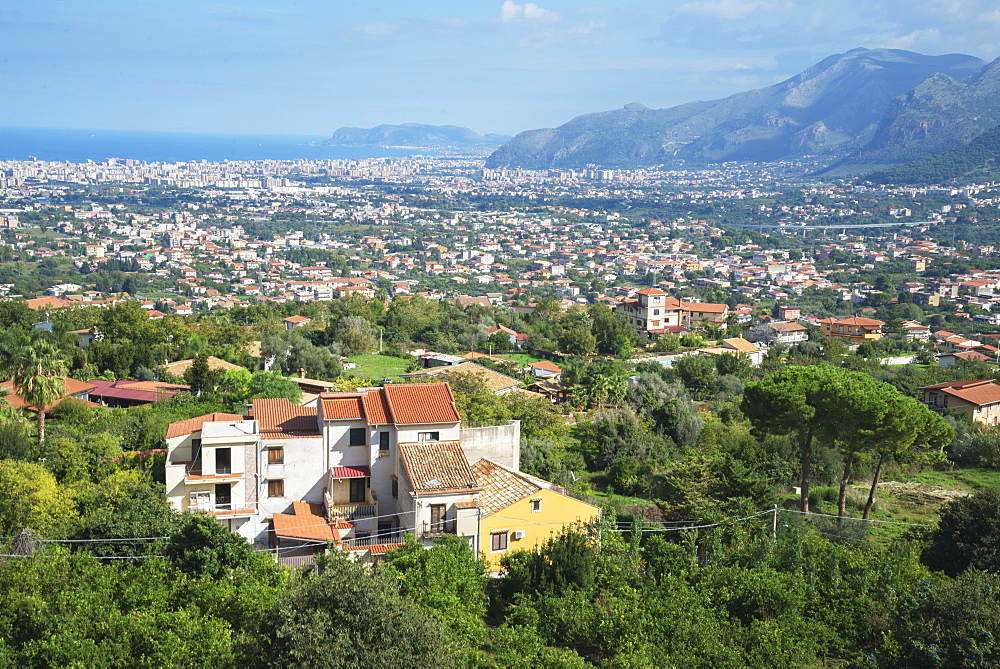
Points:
[356,472]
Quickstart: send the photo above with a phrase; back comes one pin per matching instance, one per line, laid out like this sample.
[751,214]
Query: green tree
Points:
[349,616]
[967,535]
[202,546]
[448,581]
[31,499]
[38,371]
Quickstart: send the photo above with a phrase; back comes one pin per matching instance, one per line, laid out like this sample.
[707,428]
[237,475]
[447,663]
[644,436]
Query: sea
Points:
[79,146]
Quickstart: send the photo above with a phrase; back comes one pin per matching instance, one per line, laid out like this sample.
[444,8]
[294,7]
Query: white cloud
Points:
[907,41]
[732,9]
[529,12]
[378,29]
[992,17]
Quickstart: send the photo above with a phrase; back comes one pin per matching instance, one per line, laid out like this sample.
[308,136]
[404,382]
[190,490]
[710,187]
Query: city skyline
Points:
[308,68]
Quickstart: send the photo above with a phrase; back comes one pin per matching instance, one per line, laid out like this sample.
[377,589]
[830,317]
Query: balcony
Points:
[435,530]
[194,473]
[353,511]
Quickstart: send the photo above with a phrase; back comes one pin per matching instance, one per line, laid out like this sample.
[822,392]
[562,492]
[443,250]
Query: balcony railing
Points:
[353,511]
[434,530]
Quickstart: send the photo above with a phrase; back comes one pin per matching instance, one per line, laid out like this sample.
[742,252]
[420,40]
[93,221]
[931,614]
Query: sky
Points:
[308,67]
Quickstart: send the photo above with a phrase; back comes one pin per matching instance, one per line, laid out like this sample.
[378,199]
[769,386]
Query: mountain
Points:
[415,135]
[939,113]
[835,106]
[973,161]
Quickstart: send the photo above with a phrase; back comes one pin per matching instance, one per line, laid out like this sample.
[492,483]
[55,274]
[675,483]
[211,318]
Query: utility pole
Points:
[774,522]
[380,331]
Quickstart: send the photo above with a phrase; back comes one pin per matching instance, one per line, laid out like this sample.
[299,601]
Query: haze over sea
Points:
[79,146]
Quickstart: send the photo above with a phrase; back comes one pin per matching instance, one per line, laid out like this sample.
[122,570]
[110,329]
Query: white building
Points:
[362,468]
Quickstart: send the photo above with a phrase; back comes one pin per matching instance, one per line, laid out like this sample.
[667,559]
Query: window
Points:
[656,312]
[358,436]
[428,436]
[223,461]
[359,489]
[437,517]
[276,488]
[276,455]
[536,505]
[395,487]
[223,496]
[383,441]
[498,541]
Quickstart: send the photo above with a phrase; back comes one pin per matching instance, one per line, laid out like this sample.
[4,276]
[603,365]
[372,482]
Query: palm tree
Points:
[38,370]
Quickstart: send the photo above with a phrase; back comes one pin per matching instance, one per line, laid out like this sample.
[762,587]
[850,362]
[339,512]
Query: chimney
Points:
[302,372]
[249,410]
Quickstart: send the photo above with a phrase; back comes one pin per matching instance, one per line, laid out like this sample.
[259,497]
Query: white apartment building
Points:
[363,468]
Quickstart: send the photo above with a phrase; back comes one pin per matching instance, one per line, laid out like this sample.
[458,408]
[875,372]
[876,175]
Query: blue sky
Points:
[307,67]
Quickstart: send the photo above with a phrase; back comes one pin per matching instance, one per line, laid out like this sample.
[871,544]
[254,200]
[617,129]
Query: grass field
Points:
[375,366]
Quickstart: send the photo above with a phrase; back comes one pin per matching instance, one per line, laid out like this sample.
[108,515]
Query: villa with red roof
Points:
[979,399]
[373,465]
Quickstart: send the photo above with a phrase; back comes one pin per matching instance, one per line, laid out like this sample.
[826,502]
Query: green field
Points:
[375,366]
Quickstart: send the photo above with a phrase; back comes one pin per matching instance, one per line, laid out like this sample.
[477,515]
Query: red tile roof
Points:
[420,403]
[435,467]
[342,408]
[356,472]
[382,549]
[71,386]
[139,391]
[306,523]
[979,393]
[280,419]
[190,425]
[376,408]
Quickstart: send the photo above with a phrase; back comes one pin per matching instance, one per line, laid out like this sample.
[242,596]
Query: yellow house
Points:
[854,330]
[520,512]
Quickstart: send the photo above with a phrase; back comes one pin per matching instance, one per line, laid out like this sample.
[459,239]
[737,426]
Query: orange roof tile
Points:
[437,467]
[376,408]
[184,427]
[280,419]
[71,387]
[306,523]
[342,408]
[382,549]
[421,403]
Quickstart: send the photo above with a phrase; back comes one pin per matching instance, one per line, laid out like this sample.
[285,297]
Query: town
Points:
[278,365]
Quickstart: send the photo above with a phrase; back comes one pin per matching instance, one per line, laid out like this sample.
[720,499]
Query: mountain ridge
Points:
[834,107]
[414,134]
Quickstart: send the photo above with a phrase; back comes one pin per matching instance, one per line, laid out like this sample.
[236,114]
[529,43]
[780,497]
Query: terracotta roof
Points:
[501,486]
[184,427]
[650,291]
[342,408]
[382,549]
[71,387]
[306,523]
[297,319]
[376,408]
[280,419]
[858,320]
[437,467]
[139,391]
[705,307]
[421,403]
[356,472]
[741,345]
[979,393]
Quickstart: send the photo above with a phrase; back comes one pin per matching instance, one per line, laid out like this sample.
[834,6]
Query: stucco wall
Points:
[499,443]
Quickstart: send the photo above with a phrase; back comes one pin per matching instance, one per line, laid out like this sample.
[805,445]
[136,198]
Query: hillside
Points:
[836,106]
[976,159]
